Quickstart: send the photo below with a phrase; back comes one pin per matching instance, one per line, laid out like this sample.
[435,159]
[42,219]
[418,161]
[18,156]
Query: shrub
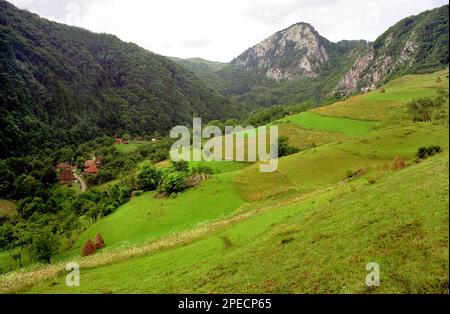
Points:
[88,248]
[352,174]
[172,182]
[148,177]
[284,149]
[99,242]
[180,166]
[201,169]
[398,163]
[371,180]
[45,244]
[425,152]
[382,91]
[104,176]
[424,109]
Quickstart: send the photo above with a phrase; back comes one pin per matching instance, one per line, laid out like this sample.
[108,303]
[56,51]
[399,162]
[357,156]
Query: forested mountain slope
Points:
[417,44]
[62,85]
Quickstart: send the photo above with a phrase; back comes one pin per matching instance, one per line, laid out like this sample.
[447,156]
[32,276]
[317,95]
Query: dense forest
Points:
[63,85]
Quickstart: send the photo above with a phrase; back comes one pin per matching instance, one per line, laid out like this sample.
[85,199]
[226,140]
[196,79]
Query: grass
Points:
[7,263]
[220,167]
[311,120]
[326,165]
[306,228]
[308,138]
[131,146]
[317,245]
[105,186]
[390,105]
[7,208]
[145,217]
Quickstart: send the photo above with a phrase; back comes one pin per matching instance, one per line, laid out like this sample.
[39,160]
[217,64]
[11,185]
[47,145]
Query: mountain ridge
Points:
[63,85]
[415,44]
[405,48]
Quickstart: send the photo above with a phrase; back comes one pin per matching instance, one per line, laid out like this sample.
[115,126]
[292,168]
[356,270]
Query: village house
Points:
[91,166]
[63,166]
[66,177]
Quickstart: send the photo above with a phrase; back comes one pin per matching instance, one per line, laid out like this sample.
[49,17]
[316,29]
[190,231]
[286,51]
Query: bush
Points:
[425,152]
[99,242]
[398,163]
[382,91]
[148,177]
[353,174]
[172,182]
[180,166]
[284,149]
[424,109]
[45,244]
[88,248]
[202,169]
[104,176]
[371,180]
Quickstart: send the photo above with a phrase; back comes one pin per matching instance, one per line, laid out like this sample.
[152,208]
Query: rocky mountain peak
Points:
[294,51]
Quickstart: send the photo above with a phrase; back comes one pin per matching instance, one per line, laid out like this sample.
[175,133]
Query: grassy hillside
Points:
[390,105]
[310,227]
[131,146]
[311,120]
[62,85]
[146,217]
[318,245]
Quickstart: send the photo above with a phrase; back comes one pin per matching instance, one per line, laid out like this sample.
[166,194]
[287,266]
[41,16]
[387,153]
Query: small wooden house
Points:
[63,166]
[66,177]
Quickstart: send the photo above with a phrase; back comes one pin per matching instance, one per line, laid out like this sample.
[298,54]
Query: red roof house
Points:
[66,177]
[63,166]
[91,170]
[89,163]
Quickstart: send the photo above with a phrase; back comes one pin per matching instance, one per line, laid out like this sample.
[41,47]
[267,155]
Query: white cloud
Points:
[222,29]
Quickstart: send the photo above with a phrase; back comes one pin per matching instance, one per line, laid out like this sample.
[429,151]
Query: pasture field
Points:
[131,146]
[319,167]
[390,105]
[318,245]
[146,217]
[350,127]
[310,227]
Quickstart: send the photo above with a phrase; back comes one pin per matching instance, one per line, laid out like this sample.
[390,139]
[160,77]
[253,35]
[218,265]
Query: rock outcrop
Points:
[295,51]
[413,45]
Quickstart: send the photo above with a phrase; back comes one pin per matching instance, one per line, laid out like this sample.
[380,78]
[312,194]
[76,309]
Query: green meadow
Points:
[311,120]
[131,146]
[391,105]
[147,218]
[317,245]
[310,227]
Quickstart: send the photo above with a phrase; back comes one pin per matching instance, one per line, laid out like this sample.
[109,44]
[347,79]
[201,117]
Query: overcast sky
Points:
[222,29]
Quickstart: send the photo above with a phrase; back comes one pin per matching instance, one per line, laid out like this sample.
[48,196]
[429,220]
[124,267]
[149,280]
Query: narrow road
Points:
[82,182]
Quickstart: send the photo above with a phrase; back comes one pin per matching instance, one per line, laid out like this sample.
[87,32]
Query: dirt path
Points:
[82,182]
